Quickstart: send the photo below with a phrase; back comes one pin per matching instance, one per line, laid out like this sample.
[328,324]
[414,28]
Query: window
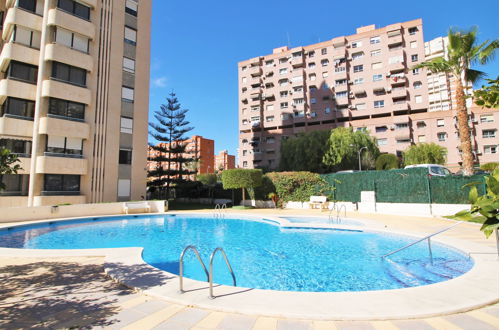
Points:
[124,187]
[382,142]
[414,58]
[415,71]
[379,104]
[284,105]
[283,71]
[29,5]
[488,133]
[376,52]
[130,36]
[325,86]
[283,93]
[20,148]
[269,118]
[418,99]
[395,59]
[66,109]
[131,7]
[64,146]
[312,76]
[356,44]
[245,121]
[245,152]
[283,60]
[59,183]
[420,124]
[442,136]
[311,65]
[299,114]
[340,69]
[440,123]
[340,95]
[245,164]
[69,74]
[313,100]
[358,68]
[324,62]
[283,82]
[19,108]
[377,77]
[125,156]
[244,68]
[126,125]
[313,88]
[358,81]
[417,85]
[311,54]
[74,8]
[375,40]
[324,51]
[402,140]
[340,82]
[381,129]
[360,106]
[357,56]
[489,118]
[327,110]
[22,71]
[401,125]
[298,89]
[270,107]
[325,98]
[270,140]
[414,44]
[313,114]
[15,184]
[490,149]
[421,138]
[298,101]
[413,30]
[325,74]
[127,94]
[25,36]
[244,79]
[269,63]
[71,40]
[129,65]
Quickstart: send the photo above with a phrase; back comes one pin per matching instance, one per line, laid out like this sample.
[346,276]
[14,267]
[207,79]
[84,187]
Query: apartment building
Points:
[224,161]
[74,99]
[197,147]
[365,81]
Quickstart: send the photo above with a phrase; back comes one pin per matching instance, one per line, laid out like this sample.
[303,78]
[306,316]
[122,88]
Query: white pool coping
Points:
[477,288]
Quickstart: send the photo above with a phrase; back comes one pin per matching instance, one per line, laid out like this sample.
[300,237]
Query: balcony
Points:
[342,101]
[339,42]
[90,3]
[340,75]
[65,91]
[343,113]
[16,128]
[255,71]
[17,88]
[297,61]
[398,80]
[394,67]
[358,91]
[61,165]
[341,88]
[255,61]
[25,164]
[19,16]
[395,40]
[18,52]
[400,106]
[72,23]
[62,127]
[59,199]
[398,93]
[63,54]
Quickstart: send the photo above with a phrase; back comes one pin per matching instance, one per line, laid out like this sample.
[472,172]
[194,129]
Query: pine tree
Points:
[171,157]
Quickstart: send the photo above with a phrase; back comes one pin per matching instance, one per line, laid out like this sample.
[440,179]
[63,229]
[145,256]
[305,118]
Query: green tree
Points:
[387,162]
[343,149]
[425,153]
[305,152]
[171,156]
[488,96]
[207,179]
[8,164]
[464,52]
[242,178]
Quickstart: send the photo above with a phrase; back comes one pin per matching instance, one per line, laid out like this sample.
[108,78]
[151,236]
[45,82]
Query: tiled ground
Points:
[74,293]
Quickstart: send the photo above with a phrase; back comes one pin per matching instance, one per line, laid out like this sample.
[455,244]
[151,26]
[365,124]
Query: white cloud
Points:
[159,82]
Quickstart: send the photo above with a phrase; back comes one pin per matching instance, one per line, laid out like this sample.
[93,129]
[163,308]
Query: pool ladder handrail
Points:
[338,212]
[210,274]
[220,210]
[181,265]
[428,237]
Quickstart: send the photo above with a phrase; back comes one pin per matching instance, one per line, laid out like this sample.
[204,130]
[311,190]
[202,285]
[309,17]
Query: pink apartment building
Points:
[364,81]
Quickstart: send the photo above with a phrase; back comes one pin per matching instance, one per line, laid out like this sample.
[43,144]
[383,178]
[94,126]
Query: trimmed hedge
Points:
[298,186]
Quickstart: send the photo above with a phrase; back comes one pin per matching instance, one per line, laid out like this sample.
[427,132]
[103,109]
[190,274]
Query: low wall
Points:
[258,204]
[16,214]
[206,201]
[306,205]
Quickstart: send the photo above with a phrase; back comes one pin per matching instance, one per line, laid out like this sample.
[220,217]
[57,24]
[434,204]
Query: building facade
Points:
[74,94]
[366,81]
[224,161]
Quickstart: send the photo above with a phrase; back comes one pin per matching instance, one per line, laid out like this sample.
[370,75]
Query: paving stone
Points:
[294,325]
[237,322]
[353,325]
[494,311]
[184,319]
[468,322]
[413,325]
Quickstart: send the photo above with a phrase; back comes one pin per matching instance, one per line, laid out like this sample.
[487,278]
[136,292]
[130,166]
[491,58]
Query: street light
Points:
[359,152]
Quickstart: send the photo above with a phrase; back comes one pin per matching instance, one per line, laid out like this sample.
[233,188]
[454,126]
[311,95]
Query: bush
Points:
[242,178]
[489,166]
[425,153]
[297,186]
[387,162]
[207,179]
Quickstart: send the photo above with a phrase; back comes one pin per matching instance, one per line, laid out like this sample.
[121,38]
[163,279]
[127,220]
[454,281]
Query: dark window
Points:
[18,147]
[23,71]
[413,30]
[131,8]
[58,183]
[67,109]
[125,156]
[68,73]
[64,151]
[19,108]
[74,8]
[27,4]
[16,184]
[380,129]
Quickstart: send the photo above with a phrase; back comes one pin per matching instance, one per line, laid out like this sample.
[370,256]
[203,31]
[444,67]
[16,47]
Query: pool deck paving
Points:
[53,292]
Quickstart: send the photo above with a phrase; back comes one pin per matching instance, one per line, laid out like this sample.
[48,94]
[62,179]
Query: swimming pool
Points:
[324,220]
[263,254]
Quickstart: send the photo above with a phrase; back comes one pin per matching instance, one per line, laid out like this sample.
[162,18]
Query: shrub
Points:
[207,179]
[297,186]
[425,153]
[387,162]
[242,178]
[489,166]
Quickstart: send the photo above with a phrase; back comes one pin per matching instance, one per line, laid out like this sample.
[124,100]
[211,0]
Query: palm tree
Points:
[463,52]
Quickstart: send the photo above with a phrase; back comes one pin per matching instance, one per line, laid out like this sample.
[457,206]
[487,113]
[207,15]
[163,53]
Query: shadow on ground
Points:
[57,295]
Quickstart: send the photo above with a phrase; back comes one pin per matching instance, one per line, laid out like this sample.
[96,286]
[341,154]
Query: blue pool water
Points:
[262,254]
[323,220]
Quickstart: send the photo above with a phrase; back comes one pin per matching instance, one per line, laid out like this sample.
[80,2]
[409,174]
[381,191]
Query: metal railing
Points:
[422,239]
[220,210]
[338,212]
[211,269]
[181,265]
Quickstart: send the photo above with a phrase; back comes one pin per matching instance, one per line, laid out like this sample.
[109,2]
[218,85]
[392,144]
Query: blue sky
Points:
[196,45]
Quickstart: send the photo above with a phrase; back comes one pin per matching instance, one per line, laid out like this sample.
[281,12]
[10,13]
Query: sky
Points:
[196,45]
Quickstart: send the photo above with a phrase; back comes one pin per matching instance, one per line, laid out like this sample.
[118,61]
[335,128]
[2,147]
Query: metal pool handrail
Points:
[422,239]
[181,265]
[210,276]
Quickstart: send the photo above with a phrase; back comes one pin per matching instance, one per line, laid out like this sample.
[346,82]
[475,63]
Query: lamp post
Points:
[359,152]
